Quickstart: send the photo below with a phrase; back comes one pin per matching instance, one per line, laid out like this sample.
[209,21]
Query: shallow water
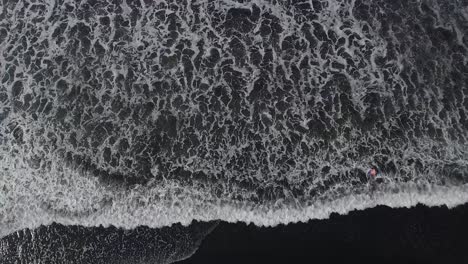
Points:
[131,113]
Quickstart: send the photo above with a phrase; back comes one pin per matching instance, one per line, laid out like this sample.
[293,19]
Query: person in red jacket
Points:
[372,173]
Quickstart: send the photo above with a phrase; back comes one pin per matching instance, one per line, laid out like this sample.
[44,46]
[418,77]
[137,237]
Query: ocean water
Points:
[98,245]
[130,113]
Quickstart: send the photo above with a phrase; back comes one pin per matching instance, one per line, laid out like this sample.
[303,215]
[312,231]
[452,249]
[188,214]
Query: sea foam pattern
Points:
[132,113]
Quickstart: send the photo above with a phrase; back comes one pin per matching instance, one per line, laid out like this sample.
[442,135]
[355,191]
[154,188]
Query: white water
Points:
[73,86]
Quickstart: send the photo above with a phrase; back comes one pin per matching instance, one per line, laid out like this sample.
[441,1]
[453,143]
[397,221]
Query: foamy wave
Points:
[132,113]
[28,202]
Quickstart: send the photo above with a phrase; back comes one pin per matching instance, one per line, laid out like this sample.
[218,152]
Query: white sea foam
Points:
[75,87]
[29,199]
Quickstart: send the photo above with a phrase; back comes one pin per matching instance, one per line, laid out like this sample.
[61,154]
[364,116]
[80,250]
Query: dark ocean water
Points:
[134,113]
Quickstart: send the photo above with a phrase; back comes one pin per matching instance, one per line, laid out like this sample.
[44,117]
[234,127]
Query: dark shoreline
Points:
[376,235]
[379,235]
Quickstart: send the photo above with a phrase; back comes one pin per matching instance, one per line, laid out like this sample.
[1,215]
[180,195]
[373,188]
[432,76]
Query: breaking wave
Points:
[130,113]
